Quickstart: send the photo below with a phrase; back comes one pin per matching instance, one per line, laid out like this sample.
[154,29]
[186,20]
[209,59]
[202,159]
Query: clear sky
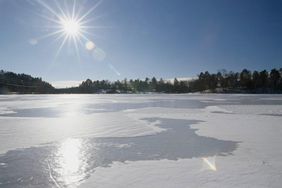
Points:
[142,38]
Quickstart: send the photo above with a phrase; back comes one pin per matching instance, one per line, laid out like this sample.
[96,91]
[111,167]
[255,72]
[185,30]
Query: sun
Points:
[70,24]
[71,27]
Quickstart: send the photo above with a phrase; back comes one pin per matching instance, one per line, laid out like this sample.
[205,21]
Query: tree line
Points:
[223,81]
[244,81]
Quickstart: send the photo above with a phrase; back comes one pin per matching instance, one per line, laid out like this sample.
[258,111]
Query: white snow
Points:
[4,110]
[256,163]
[216,109]
[257,127]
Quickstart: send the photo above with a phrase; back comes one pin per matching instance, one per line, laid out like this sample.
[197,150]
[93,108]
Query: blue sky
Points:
[144,38]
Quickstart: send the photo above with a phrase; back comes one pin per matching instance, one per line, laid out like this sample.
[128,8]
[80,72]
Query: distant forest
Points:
[22,83]
[221,82]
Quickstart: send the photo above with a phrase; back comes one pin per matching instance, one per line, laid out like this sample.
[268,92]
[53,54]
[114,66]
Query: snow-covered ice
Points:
[188,140]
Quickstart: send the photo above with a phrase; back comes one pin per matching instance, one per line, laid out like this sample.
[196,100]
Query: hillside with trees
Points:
[23,84]
[223,81]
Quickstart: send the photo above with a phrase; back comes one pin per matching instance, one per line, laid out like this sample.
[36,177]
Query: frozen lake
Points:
[190,140]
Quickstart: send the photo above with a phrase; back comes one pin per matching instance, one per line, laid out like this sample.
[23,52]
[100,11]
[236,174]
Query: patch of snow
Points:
[4,110]
[216,109]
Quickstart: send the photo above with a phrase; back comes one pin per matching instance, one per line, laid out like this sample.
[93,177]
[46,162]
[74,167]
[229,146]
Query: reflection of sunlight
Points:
[210,163]
[74,108]
[71,161]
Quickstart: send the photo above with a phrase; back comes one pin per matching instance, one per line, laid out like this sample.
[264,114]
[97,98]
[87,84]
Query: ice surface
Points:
[189,140]
[178,141]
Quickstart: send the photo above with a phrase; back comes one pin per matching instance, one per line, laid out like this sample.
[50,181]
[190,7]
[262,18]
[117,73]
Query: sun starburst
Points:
[69,25]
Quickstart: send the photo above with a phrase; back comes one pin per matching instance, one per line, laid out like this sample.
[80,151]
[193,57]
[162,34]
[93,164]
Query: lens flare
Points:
[210,163]
[89,45]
